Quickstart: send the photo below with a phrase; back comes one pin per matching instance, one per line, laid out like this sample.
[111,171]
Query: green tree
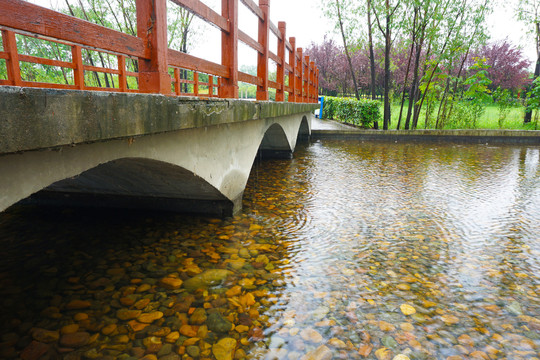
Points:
[477,93]
[528,12]
[533,101]
[505,102]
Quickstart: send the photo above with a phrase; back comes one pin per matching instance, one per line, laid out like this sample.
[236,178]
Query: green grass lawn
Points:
[489,119]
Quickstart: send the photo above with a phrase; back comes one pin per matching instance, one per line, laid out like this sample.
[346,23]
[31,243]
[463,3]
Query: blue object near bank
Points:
[321,101]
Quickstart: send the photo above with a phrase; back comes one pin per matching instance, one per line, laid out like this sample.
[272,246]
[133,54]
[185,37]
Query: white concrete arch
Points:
[197,170]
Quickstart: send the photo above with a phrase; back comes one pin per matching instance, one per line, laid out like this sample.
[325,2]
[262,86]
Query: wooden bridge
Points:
[154,138]
[297,76]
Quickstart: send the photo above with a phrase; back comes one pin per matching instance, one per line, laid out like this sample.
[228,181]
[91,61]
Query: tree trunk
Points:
[528,113]
[413,96]
[413,40]
[387,73]
[347,50]
[372,60]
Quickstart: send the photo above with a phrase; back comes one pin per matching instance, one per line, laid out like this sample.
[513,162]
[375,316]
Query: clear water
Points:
[350,250]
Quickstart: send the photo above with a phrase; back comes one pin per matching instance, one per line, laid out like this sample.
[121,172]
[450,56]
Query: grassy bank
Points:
[489,120]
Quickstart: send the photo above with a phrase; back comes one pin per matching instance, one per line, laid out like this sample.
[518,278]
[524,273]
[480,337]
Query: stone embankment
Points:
[326,129]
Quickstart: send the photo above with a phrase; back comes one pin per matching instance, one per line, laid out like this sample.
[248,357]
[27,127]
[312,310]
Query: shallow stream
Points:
[351,250]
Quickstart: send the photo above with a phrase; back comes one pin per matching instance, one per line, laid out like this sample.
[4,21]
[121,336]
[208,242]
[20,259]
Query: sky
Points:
[306,21]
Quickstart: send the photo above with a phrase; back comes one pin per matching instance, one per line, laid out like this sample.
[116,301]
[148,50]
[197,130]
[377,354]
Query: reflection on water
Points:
[351,250]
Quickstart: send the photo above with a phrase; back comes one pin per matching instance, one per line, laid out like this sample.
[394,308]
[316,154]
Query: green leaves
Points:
[478,93]
[351,111]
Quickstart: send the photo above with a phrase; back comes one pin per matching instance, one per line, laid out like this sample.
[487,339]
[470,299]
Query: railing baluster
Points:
[280,92]
[293,72]
[122,77]
[211,86]
[177,84]
[12,64]
[195,83]
[262,59]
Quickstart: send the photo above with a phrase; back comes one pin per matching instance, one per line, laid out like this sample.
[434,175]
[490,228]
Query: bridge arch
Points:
[137,183]
[198,170]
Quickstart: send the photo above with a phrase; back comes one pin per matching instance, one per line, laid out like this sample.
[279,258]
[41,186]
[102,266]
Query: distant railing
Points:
[297,76]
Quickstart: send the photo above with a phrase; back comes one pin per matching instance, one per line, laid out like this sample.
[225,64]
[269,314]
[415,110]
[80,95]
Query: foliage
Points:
[508,69]
[477,92]
[352,111]
[533,101]
[505,102]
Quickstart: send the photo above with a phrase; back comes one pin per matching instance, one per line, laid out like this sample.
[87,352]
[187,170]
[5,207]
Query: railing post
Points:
[12,64]
[312,81]
[300,79]
[317,84]
[262,59]
[229,50]
[306,77]
[78,70]
[280,92]
[292,73]
[152,28]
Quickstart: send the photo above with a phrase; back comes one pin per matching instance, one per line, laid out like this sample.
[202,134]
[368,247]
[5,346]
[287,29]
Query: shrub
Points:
[361,113]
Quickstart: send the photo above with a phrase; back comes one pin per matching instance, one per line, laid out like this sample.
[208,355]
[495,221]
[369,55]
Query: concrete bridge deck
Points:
[138,150]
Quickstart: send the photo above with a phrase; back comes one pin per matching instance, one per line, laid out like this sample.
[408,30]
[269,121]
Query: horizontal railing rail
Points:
[154,67]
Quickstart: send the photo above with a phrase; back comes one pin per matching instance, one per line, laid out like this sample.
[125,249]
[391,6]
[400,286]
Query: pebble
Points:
[312,335]
[171,283]
[34,351]
[207,278]
[108,329]
[217,323]
[148,318]
[188,330]
[152,344]
[224,349]
[407,309]
[321,353]
[45,336]
[166,349]
[75,340]
[401,357]
[127,314]
[69,329]
[337,343]
[78,305]
[193,351]
[198,317]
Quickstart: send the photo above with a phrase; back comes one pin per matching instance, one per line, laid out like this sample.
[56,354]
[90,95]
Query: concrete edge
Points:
[35,118]
[464,136]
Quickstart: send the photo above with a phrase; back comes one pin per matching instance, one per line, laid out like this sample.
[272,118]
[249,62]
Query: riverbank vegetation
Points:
[493,116]
[363,112]
[430,63]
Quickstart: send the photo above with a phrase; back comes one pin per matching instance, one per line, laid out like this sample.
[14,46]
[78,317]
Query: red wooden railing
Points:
[154,58]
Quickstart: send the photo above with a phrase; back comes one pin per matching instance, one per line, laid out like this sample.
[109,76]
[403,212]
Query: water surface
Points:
[351,250]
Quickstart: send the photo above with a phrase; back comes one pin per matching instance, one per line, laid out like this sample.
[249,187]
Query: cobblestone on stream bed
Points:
[349,251]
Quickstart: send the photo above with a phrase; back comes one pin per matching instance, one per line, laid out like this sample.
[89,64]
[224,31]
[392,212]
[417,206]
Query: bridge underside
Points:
[138,183]
[110,150]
